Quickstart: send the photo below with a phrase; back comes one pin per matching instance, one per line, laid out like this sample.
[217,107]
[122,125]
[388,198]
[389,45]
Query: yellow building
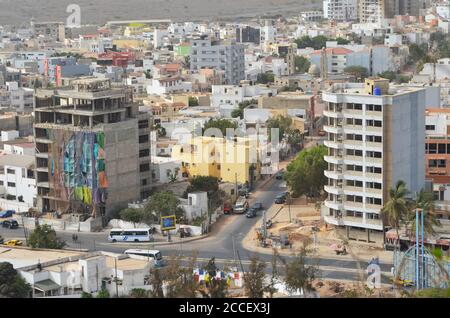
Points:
[227,160]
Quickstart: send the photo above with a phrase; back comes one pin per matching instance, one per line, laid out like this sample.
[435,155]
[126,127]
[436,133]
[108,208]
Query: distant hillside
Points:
[99,11]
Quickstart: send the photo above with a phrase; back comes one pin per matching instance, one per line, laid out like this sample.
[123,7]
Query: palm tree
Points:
[396,209]
[425,201]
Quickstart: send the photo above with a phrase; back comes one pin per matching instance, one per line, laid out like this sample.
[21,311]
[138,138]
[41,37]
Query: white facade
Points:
[373,141]
[168,85]
[232,95]
[165,170]
[17,182]
[340,10]
[17,98]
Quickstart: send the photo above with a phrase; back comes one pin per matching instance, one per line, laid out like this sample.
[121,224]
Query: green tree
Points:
[299,275]
[43,236]
[11,284]
[417,52]
[239,112]
[395,210]
[304,42]
[254,278]
[193,101]
[86,295]
[132,215]
[202,183]
[221,124]
[305,174]
[359,72]
[302,64]
[265,78]
[160,204]
[282,123]
[138,293]
[424,200]
[390,75]
[103,293]
[156,281]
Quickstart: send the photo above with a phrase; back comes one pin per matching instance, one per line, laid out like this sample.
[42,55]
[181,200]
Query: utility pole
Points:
[289,206]
[234,250]
[236,185]
[115,267]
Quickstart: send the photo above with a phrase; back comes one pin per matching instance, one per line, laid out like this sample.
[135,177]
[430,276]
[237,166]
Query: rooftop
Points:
[23,161]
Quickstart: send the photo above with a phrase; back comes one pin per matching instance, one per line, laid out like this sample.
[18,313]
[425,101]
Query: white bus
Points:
[147,255]
[130,235]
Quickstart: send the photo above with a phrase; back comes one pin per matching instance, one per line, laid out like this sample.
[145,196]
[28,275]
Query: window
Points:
[144,153]
[373,108]
[143,139]
[10,171]
[144,167]
[374,138]
[430,127]
[373,170]
[442,148]
[373,154]
[375,201]
[11,184]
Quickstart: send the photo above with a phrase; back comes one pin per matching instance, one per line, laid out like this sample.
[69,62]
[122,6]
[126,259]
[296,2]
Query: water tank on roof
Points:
[377,91]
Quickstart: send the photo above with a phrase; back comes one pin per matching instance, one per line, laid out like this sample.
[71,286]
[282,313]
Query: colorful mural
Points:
[78,169]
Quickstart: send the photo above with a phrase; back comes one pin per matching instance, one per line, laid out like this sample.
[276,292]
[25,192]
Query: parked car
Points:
[6,214]
[241,206]
[281,198]
[10,224]
[14,243]
[257,206]
[279,175]
[269,224]
[227,208]
[251,213]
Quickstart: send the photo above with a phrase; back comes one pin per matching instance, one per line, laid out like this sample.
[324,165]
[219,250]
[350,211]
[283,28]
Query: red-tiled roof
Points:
[334,50]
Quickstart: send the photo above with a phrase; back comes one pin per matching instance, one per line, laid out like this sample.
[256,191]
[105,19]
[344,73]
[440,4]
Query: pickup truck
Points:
[6,214]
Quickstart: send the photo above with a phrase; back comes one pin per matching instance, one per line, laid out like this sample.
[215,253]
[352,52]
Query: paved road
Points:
[228,232]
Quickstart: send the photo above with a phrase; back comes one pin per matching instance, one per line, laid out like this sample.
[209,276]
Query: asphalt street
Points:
[224,242]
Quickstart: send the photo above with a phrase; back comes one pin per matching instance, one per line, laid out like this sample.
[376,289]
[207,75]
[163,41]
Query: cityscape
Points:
[284,149]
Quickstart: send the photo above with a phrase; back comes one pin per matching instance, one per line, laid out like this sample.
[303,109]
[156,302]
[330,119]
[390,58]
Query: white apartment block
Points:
[226,57]
[16,98]
[376,136]
[17,182]
[340,10]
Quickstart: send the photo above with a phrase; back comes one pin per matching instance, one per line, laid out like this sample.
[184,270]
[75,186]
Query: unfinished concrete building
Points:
[88,152]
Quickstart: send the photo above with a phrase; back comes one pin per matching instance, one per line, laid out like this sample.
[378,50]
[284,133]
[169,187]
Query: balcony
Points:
[350,205]
[353,144]
[333,189]
[333,114]
[372,160]
[333,129]
[374,129]
[334,204]
[374,145]
[374,207]
[333,174]
[337,160]
[333,144]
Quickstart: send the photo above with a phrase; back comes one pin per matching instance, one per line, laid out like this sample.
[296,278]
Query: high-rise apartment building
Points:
[373,11]
[340,10]
[376,137]
[92,148]
[228,58]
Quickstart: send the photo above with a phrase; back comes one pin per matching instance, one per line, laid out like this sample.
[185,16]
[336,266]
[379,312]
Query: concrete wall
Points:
[122,164]
[408,135]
